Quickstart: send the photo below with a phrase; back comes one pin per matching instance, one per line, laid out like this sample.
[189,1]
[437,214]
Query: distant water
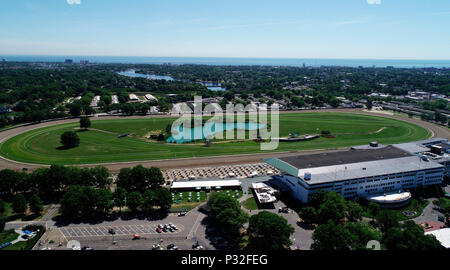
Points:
[133,74]
[234,61]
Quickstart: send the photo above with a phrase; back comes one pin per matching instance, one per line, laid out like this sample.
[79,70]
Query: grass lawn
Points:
[28,217]
[8,236]
[182,201]
[251,204]
[101,145]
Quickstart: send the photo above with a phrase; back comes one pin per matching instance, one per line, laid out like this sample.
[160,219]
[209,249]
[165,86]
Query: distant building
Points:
[68,61]
[4,60]
[133,98]
[114,99]
[95,101]
[150,97]
[84,62]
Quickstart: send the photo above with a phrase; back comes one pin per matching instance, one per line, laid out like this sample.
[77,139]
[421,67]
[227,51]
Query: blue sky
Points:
[383,29]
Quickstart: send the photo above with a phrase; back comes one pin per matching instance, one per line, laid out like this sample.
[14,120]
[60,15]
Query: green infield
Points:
[100,144]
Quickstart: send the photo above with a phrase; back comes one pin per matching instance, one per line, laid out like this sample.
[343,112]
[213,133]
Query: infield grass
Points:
[100,144]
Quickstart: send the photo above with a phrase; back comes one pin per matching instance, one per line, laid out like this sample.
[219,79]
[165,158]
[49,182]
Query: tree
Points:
[134,201]
[354,211]
[70,139]
[334,208]
[331,236]
[387,219]
[374,209]
[120,197]
[149,200]
[19,204]
[226,212]
[100,177]
[72,202]
[308,215]
[317,198]
[103,201]
[269,231]
[163,198]
[85,123]
[369,104]
[361,234]
[140,179]
[36,204]
[410,236]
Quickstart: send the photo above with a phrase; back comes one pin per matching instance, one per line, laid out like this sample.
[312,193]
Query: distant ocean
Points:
[234,61]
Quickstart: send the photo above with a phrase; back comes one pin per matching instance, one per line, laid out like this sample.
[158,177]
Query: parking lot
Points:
[124,230]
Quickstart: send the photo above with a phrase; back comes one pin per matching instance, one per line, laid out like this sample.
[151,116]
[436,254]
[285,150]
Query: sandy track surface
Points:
[437,131]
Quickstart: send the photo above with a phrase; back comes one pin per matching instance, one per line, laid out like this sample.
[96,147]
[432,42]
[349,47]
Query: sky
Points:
[355,29]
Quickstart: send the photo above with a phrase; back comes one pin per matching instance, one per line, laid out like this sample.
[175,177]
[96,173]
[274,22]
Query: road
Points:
[205,161]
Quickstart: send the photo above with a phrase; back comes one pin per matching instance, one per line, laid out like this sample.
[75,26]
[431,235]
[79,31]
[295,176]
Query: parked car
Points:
[159,230]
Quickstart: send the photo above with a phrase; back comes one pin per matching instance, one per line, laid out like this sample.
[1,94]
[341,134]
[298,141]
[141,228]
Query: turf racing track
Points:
[6,163]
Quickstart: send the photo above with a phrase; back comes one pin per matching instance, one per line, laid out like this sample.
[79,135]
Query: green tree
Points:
[387,219]
[149,201]
[354,211]
[410,236]
[19,204]
[334,208]
[120,197]
[361,234]
[308,215]
[103,201]
[36,204]
[269,231]
[374,209]
[226,212]
[134,201]
[70,139]
[72,202]
[85,123]
[331,236]
[163,198]
[317,198]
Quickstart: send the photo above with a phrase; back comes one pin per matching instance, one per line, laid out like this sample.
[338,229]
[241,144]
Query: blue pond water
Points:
[185,135]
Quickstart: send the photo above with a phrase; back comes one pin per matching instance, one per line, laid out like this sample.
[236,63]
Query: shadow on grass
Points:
[65,147]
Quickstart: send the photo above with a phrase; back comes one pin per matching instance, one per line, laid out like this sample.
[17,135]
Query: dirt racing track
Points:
[437,131]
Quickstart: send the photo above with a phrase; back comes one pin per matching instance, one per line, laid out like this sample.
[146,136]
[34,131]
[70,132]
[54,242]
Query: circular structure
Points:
[102,143]
[391,200]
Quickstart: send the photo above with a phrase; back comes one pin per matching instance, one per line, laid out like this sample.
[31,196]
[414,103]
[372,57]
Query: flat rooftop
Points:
[206,184]
[344,157]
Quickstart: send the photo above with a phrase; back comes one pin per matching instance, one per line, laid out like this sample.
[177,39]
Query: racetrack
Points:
[437,131]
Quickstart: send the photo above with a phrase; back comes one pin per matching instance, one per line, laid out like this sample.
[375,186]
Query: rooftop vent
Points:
[307,176]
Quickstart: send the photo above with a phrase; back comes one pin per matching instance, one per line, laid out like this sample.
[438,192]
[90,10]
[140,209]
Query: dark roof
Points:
[344,157]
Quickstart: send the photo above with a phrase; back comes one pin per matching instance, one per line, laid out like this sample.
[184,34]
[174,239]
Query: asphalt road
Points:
[205,161]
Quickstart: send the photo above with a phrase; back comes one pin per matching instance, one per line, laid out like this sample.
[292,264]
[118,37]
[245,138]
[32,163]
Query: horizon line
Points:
[232,57]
